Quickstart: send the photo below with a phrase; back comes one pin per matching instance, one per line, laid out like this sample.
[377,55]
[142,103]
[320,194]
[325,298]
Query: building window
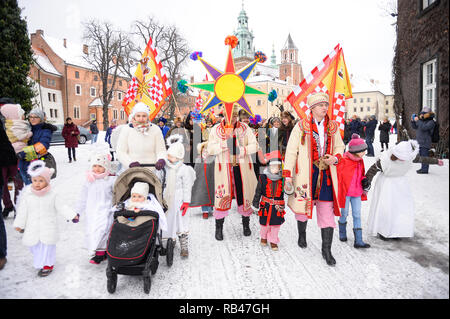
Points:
[387,102]
[386,111]
[77,75]
[368,109]
[93,92]
[95,78]
[361,109]
[354,100]
[361,100]
[56,113]
[429,85]
[49,97]
[115,114]
[120,82]
[77,89]
[76,112]
[354,109]
[119,96]
[368,99]
[54,97]
[51,113]
[51,82]
[258,102]
[292,57]
[427,3]
[122,114]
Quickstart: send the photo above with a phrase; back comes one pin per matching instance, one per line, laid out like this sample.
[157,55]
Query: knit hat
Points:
[356,144]
[162,119]
[316,98]
[274,157]
[12,111]
[426,109]
[406,150]
[140,107]
[38,168]
[103,159]
[176,147]
[37,112]
[140,188]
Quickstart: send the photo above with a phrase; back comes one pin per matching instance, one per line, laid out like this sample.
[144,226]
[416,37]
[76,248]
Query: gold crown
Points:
[316,98]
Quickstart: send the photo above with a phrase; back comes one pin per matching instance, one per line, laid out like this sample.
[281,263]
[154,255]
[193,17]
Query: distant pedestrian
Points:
[370,135]
[384,129]
[94,131]
[424,126]
[71,134]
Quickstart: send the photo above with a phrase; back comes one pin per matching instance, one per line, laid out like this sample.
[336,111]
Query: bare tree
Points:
[108,48]
[173,51]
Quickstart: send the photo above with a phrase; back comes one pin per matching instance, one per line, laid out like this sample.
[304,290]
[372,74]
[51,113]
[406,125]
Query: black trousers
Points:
[71,149]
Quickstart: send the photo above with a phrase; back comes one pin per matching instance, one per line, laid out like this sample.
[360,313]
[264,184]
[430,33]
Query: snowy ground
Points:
[238,267]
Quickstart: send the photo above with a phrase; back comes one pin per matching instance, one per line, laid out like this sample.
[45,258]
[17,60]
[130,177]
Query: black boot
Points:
[301,226]
[219,228]
[246,225]
[327,239]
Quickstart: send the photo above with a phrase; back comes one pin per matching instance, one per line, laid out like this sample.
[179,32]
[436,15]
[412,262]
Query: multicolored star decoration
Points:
[228,87]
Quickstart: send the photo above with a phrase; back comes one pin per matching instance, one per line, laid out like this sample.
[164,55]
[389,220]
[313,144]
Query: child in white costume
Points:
[95,205]
[177,193]
[37,210]
[141,200]
[391,212]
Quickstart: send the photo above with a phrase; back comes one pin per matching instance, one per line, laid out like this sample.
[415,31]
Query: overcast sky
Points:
[362,27]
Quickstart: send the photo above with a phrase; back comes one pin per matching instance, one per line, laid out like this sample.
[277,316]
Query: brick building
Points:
[62,70]
[421,64]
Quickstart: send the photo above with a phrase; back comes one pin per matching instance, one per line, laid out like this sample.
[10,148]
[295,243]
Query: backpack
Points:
[435,135]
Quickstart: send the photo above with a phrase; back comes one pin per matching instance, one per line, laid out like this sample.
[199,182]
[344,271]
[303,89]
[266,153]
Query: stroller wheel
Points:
[170,248]
[147,284]
[111,283]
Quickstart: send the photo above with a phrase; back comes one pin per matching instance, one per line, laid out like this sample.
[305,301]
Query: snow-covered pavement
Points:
[238,267]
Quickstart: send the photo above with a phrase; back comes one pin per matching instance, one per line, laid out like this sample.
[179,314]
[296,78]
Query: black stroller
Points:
[134,250]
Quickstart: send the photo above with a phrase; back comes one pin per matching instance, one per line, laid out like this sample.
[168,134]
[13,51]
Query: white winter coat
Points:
[95,209]
[134,146]
[391,211]
[37,215]
[180,189]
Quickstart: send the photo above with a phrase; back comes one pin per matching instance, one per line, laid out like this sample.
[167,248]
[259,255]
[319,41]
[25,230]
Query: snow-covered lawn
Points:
[238,267]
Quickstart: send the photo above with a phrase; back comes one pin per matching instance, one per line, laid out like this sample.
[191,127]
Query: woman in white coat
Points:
[141,142]
[37,210]
[95,205]
[391,213]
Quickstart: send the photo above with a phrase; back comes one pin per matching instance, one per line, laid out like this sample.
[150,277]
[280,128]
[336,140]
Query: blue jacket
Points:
[164,130]
[355,126]
[42,133]
[424,129]
[370,129]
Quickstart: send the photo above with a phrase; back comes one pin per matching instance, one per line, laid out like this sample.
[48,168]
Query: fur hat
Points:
[101,158]
[38,168]
[12,111]
[406,150]
[176,147]
[38,112]
[140,188]
[356,144]
[316,98]
[138,108]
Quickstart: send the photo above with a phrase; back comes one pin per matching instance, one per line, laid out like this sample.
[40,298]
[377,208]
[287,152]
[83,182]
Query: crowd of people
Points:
[272,167]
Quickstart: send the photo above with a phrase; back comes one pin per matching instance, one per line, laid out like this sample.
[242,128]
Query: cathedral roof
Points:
[289,44]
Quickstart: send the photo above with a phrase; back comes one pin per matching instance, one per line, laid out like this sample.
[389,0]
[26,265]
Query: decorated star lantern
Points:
[228,87]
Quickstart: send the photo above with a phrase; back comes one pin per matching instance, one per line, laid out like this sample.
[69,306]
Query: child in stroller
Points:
[134,245]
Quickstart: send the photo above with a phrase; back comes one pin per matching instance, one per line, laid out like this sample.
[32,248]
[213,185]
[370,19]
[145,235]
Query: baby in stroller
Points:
[135,238]
[141,200]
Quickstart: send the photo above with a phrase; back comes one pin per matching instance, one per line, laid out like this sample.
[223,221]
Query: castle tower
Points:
[244,52]
[290,69]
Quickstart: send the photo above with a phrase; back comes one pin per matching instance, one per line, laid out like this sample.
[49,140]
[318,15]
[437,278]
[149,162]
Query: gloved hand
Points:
[134,164]
[76,219]
[160,164]
[365,184]
[184,208]
[30,153]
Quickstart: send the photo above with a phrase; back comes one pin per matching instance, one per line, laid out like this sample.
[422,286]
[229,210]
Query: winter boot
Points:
[246,225]
[205,215]
[274,246]
[263,242]
[184,245]
[6,211]
[2,262]
[301,226]
[358,239]
[219,228]
[98,258]
[327,239]
[44,272]
[342,231]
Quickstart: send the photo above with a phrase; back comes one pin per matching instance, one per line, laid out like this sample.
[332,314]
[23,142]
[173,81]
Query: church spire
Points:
[245,47]
[273,58]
